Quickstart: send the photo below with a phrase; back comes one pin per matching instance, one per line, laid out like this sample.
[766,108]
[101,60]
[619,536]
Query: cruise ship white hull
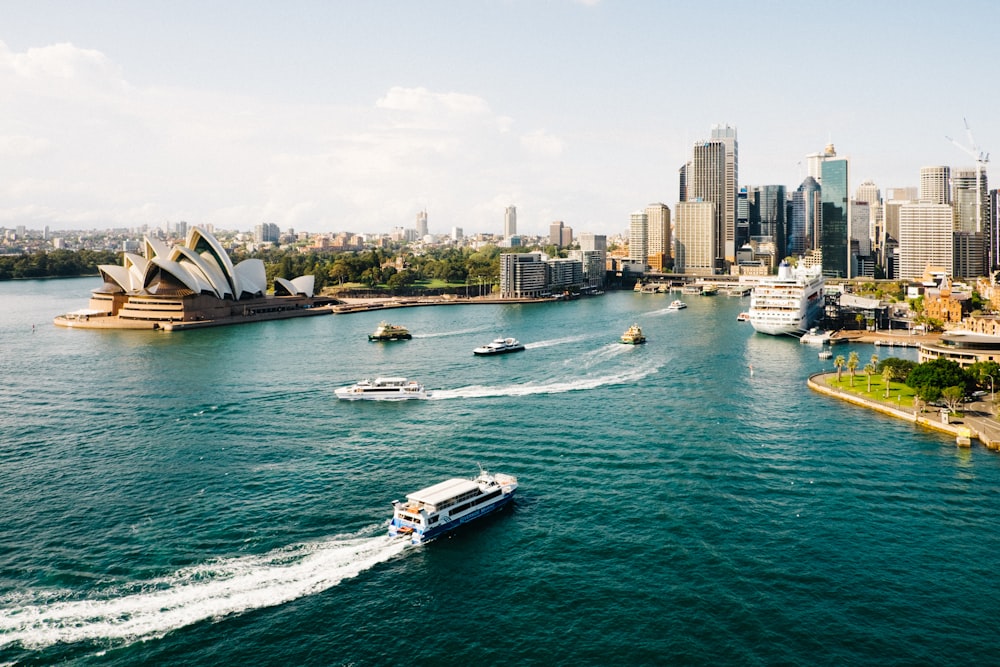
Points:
[789,304]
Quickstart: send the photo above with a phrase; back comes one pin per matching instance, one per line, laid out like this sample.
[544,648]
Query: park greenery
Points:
[938,382]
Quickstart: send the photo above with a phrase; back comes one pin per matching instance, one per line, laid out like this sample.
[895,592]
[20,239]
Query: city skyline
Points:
[334,117]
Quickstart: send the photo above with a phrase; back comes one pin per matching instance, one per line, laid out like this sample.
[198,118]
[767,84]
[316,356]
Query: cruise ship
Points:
[788,303]
[430,512]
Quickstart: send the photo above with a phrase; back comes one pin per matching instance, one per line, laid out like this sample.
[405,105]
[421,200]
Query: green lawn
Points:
[897,390]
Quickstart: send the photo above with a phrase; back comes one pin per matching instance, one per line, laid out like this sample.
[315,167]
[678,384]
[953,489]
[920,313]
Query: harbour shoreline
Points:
[976,423]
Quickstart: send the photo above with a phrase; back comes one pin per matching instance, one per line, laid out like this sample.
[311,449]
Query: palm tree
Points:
[874,361]
[839,362]
[852,363]
[888,375]
[870,371]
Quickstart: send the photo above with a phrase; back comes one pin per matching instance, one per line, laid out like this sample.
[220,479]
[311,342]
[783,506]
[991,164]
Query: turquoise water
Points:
[200,498]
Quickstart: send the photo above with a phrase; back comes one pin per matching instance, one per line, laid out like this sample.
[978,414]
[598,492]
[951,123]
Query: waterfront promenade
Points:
[361,304]
[978,420]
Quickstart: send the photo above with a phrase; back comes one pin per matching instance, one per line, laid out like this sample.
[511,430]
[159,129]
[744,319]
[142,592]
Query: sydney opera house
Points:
[191,284]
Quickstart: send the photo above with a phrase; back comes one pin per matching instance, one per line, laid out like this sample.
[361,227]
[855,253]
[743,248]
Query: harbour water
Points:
[200,498]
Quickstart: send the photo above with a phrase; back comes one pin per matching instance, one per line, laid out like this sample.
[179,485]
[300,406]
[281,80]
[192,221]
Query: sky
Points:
[334,116]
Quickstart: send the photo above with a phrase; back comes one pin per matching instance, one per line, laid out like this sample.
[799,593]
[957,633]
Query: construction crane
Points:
[981,159]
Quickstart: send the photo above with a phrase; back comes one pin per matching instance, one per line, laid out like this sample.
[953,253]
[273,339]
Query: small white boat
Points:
[677,304]
[825,354]
[499,346]
[382,389]
[440,508]
[743,317]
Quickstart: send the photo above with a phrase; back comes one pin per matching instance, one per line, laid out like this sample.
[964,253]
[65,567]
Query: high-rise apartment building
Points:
[935,185]
[638,237]
[593,254]
[694,238]
[835,217]
[523,275]
[421,224]
[267,232]
[925,239]
[555,233]
[510,222]
[566,237]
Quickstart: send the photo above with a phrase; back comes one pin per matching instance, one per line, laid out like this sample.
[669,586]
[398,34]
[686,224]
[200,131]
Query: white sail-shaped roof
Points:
[208,269]
[136,265]
[112,273]
[302,285]
[202,242]
[251,277]
[154,247]
[202,265]
[194,281]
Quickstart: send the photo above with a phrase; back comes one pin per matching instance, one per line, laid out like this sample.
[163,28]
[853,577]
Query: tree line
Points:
[375,268]
[55,263]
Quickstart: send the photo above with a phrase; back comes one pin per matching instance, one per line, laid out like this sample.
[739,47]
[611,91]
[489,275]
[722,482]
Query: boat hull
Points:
[397,529]
[358,396]
[487,353]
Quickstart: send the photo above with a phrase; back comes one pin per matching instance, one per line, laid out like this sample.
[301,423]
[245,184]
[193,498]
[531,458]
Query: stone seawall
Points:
[962,432]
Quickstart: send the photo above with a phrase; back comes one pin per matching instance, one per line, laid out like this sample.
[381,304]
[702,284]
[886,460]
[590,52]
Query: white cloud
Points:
[421,100]
[20,146]
[543,144]
[111,153]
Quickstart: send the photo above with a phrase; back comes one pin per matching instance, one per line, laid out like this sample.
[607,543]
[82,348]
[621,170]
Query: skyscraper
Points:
[638,237]
[935,185]
[707,183]
[925,239]
[804,230]
[969,217]
[771,207]
[421,224]
[727,135]
[835,213]
[658,230]
[694,238]
[510,222]
[971,220]
[555,233]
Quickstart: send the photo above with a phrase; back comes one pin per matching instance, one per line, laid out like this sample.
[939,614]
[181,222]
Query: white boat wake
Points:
[451,333]
[555,341]
[530,388]
[147,610]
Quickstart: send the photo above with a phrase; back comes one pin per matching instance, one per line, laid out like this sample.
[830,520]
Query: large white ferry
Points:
[788,303]
[382,389]
[427,513]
